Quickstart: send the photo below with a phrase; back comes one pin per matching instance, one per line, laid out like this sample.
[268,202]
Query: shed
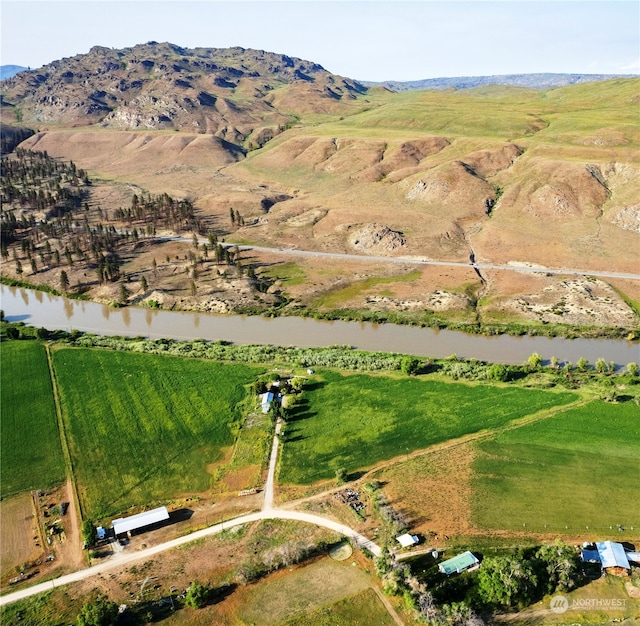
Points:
[267,399]
[612,555]
[634,556]
[459,563]
[127,524]
[407,540]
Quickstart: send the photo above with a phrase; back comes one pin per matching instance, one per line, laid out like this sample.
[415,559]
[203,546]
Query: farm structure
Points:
[126,525]
[460,563]
[267,399]
[612,557]
[407,540]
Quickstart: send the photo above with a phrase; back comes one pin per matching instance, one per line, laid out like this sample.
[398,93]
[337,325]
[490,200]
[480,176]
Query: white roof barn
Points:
[127,524]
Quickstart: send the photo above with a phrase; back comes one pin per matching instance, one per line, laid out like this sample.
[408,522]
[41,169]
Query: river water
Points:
[37,308]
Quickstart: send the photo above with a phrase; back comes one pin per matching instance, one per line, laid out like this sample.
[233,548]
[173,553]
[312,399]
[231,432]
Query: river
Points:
[38,309]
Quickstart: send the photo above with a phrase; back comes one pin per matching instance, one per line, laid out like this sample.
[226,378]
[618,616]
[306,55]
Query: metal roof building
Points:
[127,524]
[267,399]
[612,554]
[458,564]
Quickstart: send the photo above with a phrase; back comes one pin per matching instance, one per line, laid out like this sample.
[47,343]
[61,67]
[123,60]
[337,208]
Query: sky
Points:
[361,39]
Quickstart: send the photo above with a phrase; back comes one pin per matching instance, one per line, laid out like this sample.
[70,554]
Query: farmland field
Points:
[319,584]
[578,469]
[144,428]
[355,421]
[31,452]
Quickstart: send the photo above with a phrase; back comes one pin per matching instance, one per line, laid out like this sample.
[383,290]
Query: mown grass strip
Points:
[31,452]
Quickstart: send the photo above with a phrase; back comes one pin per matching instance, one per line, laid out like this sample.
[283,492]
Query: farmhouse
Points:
[126,525]
[611,556]
[458,564]
[407,540]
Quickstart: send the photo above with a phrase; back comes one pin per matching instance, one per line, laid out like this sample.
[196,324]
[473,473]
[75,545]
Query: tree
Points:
[534,362]
[197,595]
[18,267]
[554,362]
[632,369]
[101,612]
[341,475]
[143,283]
[64,281]
[561,566]
[601,366]
[194,288]
[498,371]
[410,366]
[89,533]
[582,364]
[123,294]
[506,580]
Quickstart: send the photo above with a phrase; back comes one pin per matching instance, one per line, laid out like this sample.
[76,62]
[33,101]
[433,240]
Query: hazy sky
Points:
[364,40]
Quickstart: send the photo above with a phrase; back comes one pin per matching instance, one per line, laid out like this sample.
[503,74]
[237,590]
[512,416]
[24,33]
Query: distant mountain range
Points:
[7,71]
[532,81]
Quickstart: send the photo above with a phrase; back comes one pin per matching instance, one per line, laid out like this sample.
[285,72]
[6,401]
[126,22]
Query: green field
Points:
[143,428]
[31,455]
[355,421]
[579,469]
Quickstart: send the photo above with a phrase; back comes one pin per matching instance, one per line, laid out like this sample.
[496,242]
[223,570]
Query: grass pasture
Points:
[576,471]
[143,428]
[361,609]
[355,421]
[31,452]
[309,588]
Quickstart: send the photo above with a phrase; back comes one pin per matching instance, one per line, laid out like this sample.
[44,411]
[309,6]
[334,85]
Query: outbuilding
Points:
[407,540]
[611,556]
[267,399]
[458,564]
[125,525]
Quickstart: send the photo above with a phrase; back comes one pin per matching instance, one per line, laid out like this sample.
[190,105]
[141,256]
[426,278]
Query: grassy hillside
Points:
[503,175]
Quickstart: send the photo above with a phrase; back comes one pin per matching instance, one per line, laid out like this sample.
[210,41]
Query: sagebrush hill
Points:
[301,158]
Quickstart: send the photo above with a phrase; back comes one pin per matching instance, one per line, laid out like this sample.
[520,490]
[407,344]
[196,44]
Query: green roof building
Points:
[458,564]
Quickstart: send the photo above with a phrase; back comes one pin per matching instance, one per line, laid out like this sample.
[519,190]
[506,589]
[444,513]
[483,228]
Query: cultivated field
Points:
[31,452]
[353,422]
[17,533]
[576,472]
[145,428]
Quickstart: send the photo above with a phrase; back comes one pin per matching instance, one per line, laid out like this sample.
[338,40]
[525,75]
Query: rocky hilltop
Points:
[236,94]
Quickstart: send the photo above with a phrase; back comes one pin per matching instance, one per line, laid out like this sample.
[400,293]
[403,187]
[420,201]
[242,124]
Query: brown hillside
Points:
[226,92]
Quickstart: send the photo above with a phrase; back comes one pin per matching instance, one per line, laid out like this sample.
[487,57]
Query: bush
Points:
[197,595]
[102,612]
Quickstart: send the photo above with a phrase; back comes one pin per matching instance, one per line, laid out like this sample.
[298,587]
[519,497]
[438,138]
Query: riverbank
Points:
[421,319]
